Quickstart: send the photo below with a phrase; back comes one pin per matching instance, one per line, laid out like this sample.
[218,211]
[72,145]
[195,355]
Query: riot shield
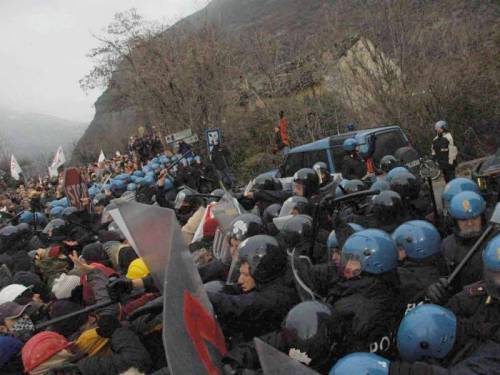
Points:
[193,340]
[148,229]
[226,210]
[299,266]
[274,362]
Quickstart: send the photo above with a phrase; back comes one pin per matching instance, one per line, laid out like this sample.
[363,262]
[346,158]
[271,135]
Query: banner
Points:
[59,159]
[101,157]
[15,169]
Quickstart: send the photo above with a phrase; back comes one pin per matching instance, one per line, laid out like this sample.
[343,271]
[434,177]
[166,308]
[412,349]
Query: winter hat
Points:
[7,260]
[125,257]
[11,292]
[107,235]
[64,285]
[91,343]
[5,276]
[11,310]
[21,261]
[9,346]
[112,248]
[94,252]
[137,269]
[69,326]
[28,278]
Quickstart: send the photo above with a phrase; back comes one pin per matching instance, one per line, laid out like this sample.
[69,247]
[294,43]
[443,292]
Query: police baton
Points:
[495,220]
[61,318]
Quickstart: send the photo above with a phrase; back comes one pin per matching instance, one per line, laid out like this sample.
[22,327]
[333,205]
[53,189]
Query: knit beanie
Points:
[94,252]
[64,285]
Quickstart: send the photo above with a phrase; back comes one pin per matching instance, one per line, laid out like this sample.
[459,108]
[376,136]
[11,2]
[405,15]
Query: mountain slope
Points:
[30,135]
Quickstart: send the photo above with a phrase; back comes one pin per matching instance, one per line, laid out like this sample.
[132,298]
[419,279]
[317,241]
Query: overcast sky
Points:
[44,45]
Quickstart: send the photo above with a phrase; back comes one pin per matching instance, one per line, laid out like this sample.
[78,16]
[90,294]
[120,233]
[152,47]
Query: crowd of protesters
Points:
[358,286]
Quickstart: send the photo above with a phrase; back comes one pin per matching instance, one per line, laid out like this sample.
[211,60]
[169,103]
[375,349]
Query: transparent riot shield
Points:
[148,229]
[274,362]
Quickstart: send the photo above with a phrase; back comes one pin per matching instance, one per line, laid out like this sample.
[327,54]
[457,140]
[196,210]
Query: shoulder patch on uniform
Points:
[476,289]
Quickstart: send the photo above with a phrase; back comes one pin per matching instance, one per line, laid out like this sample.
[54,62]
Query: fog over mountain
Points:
[31,135]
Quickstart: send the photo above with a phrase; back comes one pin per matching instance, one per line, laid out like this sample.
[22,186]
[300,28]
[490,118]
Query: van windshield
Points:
[299,160]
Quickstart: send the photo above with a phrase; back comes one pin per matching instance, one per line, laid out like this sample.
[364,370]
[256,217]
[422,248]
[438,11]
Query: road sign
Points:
[213,137]
[176,137]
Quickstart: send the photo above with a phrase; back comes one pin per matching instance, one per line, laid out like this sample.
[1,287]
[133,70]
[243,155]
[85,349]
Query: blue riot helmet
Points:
[380,185]
[197,159]
[92,192]
[155,160]
[26,217]
[169,184]
[427,331]
[491,266]
[418,238]
[332,243]
[64,202]
[458,185]
[117,185]
[131,187]
[371,250]
[68,211]
[56,212]
[139,173]
[361,364]
[338,192]
[155,166]
[350,145]
[123,177]
[394,172]
[467,205]
[149,180]
[353,186]
[146,169]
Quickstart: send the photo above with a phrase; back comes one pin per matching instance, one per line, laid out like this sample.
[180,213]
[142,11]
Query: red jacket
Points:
[283,125]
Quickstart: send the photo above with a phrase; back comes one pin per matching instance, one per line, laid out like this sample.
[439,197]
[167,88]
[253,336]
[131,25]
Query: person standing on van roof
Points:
[353,166]
[281,136]
[444,151]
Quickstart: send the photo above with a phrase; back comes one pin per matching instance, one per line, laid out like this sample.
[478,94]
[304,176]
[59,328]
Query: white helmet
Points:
[11,292]
[441,124]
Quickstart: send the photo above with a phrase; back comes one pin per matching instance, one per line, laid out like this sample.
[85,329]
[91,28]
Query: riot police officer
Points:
[353,166]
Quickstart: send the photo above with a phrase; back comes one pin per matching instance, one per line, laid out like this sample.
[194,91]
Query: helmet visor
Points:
[351,265]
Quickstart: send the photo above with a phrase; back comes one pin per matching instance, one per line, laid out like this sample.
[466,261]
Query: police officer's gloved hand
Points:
[119,286]
[107,325]
[439,291]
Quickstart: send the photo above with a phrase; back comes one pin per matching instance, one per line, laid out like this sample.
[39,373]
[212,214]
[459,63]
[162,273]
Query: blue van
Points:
[374,143]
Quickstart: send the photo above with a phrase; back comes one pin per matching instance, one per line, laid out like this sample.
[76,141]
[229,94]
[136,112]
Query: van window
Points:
[312,157]
[338,155]
[386,143]
[292,164]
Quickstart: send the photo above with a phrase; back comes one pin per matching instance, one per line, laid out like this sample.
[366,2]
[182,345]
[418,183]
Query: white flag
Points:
[101,157]
[59,159]
[53,172]
[15,169]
